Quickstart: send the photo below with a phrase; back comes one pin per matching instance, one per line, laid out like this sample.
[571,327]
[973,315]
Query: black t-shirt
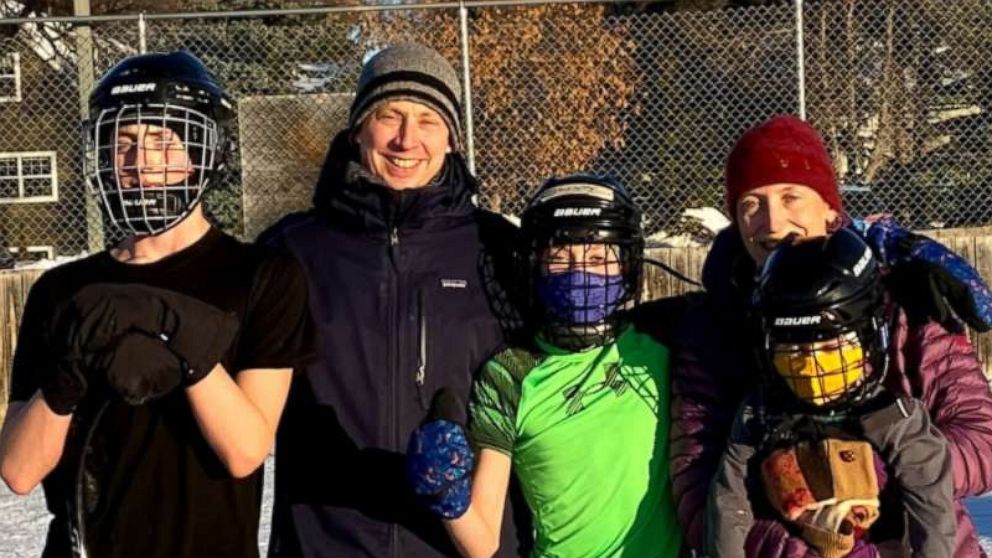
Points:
[150,485]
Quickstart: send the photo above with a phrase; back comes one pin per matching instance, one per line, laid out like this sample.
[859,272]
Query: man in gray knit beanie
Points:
[414,73]
[406,116]
[409,278]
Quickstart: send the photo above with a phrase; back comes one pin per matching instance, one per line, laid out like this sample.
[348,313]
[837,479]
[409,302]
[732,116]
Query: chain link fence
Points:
[655,97]
[901,92]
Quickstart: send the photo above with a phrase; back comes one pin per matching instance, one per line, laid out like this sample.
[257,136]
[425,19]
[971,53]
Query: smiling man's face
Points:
[404,144]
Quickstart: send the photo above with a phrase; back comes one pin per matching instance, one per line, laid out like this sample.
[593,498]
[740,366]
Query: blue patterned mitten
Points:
[439,460]
[927,278]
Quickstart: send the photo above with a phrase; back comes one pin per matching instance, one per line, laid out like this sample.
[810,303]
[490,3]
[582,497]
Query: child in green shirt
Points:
[580,415]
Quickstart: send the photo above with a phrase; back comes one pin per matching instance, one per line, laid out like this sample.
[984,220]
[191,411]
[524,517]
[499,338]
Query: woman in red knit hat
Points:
[780,183]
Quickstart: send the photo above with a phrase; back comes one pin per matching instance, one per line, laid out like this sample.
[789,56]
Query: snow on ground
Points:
[23,524]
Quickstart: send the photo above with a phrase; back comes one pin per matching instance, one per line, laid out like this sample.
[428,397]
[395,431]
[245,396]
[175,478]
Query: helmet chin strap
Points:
[171,208]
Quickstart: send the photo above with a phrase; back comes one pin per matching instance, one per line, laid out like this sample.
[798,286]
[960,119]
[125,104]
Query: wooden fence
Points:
[14,287]
[973,244]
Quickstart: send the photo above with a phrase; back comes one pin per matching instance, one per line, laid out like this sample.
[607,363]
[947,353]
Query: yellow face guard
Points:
[822,371]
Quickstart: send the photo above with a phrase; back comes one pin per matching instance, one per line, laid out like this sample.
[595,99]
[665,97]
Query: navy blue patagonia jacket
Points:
[404,288]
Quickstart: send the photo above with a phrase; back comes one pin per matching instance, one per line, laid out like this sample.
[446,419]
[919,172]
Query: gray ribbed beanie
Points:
[412,72]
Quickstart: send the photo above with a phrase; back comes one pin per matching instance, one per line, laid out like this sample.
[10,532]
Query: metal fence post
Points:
[800,59]
[142,45]
[467,86]
[84,70]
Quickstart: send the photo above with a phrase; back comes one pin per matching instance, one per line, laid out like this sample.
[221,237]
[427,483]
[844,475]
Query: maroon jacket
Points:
[713,367]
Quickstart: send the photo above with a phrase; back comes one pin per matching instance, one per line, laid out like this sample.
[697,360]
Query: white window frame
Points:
[46,249]
[15,59]
[19,156]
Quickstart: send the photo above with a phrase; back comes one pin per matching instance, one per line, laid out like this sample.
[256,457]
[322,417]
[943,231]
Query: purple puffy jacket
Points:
[713,369]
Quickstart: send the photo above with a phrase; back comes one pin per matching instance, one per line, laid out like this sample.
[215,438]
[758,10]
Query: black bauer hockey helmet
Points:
[824,292]
[582,208]
[590,213]
[157,138]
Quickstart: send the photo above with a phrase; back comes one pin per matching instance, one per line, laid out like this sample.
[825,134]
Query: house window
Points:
[10,78]
[28,177]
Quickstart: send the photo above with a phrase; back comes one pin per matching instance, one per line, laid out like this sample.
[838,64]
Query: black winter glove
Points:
[141,367]
[64,387]
[98,319]
[67,381]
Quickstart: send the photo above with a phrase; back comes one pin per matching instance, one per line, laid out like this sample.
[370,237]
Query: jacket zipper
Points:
[393,251]
[421,375]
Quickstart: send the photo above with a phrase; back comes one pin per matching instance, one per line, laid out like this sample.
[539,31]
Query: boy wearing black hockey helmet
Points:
[149,379]
[580,415]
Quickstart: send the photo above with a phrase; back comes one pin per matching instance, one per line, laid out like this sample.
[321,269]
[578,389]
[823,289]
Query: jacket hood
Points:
[349,196]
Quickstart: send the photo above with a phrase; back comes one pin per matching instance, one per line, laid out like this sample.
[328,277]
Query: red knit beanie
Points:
[782,149]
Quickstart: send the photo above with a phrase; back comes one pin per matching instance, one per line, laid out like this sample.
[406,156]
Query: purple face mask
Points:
[579,297]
